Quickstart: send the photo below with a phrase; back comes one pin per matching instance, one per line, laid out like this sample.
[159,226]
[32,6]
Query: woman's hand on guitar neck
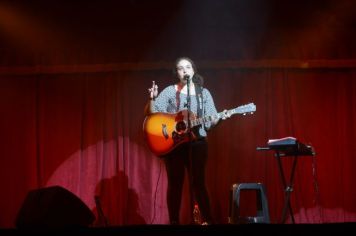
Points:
[225,114]
[153,91]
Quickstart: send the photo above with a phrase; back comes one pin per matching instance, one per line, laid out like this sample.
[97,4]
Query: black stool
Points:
[262,215]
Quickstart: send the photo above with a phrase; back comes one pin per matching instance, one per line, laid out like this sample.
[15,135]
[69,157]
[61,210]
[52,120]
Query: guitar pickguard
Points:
[178,138]
[180,133]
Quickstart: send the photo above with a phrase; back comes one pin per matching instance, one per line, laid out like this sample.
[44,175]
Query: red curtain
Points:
[83,131]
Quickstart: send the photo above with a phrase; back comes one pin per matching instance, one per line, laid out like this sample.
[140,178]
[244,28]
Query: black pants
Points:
[177,162]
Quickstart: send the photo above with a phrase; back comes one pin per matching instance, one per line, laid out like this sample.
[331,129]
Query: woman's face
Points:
[184,70]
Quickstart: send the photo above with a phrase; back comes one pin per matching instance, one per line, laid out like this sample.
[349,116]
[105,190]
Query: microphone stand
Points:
[190,172]
[188,107]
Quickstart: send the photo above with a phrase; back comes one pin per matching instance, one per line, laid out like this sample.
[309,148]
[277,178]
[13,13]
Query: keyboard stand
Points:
[288,187]
[292,148]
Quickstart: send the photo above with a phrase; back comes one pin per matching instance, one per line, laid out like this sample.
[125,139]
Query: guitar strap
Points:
[199,96]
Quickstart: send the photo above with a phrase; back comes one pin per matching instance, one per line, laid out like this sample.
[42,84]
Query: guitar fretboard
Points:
[206,119]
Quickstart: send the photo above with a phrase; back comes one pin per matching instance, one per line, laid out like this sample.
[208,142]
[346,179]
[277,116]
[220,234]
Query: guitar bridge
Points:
[164,131]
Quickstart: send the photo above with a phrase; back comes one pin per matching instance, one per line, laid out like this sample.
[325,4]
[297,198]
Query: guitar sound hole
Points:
[181,127]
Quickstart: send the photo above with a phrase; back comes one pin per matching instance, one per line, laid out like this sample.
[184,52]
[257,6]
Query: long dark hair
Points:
[197,78]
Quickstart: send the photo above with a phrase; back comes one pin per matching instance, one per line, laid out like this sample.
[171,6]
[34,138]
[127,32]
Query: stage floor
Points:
[156,230]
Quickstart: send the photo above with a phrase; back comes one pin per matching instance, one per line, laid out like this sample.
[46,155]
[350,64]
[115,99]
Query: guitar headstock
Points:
[246,109]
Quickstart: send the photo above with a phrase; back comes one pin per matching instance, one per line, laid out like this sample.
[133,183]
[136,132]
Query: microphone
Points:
[186,77]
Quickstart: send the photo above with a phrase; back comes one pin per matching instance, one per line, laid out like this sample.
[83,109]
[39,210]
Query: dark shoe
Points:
[174,222]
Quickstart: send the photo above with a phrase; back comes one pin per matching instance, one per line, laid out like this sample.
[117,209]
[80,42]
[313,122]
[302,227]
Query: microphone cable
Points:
[155,195]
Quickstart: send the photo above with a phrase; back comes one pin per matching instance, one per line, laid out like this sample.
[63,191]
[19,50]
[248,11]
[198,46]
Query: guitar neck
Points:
[206,119]
[244,109]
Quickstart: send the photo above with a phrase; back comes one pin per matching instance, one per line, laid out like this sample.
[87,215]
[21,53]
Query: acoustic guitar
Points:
[166,131]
